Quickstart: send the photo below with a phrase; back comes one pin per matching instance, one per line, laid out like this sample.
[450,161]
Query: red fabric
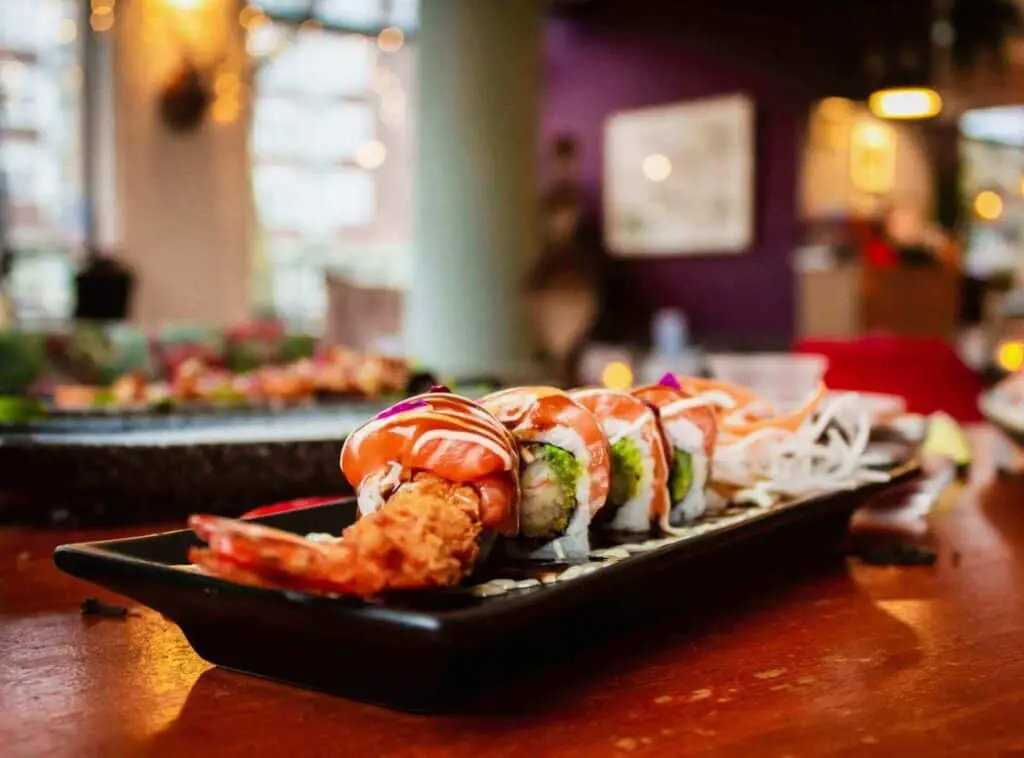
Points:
[927,373]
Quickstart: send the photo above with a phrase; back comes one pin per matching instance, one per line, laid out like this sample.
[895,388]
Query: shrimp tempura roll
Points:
[444,435]
[638,497]
[690,429]
[565,468]
[433,475]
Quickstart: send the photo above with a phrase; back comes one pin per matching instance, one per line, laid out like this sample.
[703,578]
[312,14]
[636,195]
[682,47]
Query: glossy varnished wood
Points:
[857,660]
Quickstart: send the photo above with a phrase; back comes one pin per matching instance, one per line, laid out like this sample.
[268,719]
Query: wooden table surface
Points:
[857,660]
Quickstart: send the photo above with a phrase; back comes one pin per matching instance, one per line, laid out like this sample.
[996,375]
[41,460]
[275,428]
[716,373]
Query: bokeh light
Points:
[657,167]
[371,154]
[390,40]
[1010,356]
[617,375]
[988,205]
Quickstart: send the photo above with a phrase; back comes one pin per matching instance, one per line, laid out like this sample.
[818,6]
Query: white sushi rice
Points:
[687,436]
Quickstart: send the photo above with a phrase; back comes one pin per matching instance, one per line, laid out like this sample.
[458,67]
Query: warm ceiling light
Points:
[988,205]
[390,40]
[657,167]
[1010,356]
[186,5]
[905,103]
[617,375]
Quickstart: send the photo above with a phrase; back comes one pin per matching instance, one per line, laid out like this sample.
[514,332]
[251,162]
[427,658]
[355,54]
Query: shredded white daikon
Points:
[826,453]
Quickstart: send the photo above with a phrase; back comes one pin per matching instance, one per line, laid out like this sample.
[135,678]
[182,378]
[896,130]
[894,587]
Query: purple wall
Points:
[599,63]
[608,55]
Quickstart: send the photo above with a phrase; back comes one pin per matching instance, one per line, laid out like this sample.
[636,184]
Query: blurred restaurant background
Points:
[585,190]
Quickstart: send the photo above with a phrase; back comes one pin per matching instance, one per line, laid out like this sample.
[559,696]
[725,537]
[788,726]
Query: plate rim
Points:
[93,560]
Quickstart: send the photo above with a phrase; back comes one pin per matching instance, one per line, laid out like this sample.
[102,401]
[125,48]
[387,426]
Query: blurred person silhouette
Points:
[567,291]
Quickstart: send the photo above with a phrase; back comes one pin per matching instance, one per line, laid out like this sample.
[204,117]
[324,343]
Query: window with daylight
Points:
[41,182]
[331,148]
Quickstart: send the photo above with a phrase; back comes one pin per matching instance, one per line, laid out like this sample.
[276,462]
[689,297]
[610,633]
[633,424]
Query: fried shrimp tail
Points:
[426,535]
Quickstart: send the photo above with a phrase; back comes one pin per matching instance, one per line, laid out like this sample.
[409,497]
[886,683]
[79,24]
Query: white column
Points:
[476,193]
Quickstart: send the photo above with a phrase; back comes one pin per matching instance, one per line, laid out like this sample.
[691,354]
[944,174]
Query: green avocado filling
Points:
[564,466]
[682,475]
[549,484]
[627,470]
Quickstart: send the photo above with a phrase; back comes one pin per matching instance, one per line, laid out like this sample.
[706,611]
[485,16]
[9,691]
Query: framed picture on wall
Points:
[679,178]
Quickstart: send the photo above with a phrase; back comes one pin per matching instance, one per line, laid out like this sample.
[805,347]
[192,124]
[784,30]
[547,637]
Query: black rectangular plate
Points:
[429,651]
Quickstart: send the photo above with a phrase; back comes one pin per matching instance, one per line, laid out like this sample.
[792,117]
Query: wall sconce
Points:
[206,80]
[185,98]
[830,122]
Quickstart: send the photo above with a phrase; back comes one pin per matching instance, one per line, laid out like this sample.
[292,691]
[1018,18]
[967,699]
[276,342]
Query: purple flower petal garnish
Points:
[440,388]
[669,380]
[405,405]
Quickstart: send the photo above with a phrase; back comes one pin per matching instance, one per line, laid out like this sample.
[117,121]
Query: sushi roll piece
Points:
[565,471]
[638,496]
[690,429]
[435,476]
[442,434]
